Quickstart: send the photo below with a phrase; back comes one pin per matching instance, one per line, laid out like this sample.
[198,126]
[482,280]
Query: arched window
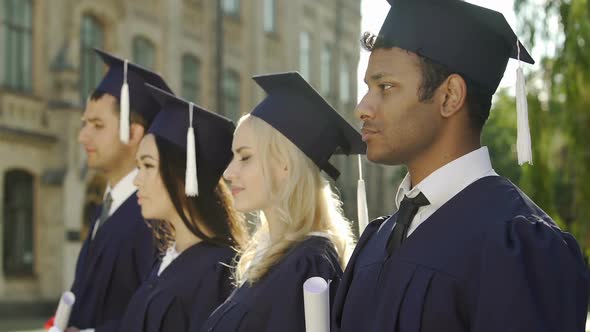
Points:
[144,52]
[17,223]
[16,36]
[91,67]
[191,74]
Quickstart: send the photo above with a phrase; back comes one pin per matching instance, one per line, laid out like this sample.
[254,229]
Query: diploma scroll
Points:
[62,315]
[316,299]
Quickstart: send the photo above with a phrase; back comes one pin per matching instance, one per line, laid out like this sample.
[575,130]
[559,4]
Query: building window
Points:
[326,70]
[91,67]
[16,35]
[18,224]
[144,53]
[231,7]
[345,95]
[231,94]
[269,16]
[191,73]
[304,58]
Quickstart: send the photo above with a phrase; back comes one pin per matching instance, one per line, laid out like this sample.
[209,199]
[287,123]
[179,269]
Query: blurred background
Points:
[207,50]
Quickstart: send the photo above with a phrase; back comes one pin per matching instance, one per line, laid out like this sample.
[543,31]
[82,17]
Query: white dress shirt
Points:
[443,184]
[169,257]
[122,190]
[119,193]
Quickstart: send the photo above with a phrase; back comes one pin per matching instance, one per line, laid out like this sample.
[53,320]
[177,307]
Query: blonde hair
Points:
[304,201]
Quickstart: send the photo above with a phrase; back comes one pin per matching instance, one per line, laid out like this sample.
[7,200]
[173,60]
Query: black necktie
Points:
[104,214]
[407,211]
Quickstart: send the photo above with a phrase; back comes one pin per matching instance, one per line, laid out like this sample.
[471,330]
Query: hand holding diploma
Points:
[316,299]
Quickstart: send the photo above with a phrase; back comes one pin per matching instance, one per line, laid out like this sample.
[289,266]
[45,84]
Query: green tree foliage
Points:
[559,112]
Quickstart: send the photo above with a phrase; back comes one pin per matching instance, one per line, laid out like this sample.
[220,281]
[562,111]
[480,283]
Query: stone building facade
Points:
[47,70]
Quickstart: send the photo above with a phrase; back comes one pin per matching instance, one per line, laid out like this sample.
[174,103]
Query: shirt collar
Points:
[124,188]
[171,252]
[447,181]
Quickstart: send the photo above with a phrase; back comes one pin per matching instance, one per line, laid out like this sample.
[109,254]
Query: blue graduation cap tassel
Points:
[523,138]
[124,120]
[361,200]
[191,184]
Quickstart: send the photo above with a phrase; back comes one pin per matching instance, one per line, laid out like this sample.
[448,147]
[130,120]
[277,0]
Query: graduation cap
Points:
[296,109]
[125,81]
[206,137]
[473,41]
[468,39]
[300,113]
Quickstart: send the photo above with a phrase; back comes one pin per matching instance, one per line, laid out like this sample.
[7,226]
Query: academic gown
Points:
[184,294]
[111,267]
[487,260]
[275,303]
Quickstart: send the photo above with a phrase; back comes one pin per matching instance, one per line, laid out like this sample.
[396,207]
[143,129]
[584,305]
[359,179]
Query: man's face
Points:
[397,127]
[100,134]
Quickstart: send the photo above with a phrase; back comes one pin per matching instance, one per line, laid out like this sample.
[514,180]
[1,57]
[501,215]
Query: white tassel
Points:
[361,200]
[523,138]
[124,120]
[191,184]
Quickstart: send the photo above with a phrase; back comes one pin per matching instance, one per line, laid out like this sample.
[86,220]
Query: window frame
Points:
[305,54]
[186,82]
[344,83]
[231,94]
[16,35]
[91,67]
[231,8]
[326,61]
[140,46]
[14,209]
[269,22]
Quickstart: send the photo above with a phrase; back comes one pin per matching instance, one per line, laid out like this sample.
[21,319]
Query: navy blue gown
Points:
[185,293]
[111,267]
[275,303]
[487,260]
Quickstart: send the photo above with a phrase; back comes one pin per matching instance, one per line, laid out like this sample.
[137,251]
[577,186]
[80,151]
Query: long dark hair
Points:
[212,208]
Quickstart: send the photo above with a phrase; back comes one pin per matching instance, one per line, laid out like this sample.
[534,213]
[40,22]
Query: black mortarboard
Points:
[211,142]
[295,109]
[140,99]
[471,40]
